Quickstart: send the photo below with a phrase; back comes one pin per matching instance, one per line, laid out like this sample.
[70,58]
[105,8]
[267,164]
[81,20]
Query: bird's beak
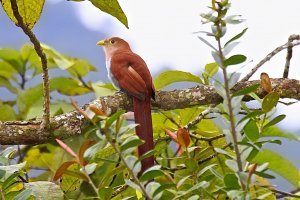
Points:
[101,42]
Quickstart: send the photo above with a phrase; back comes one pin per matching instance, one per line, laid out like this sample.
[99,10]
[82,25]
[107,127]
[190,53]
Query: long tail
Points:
[142,116]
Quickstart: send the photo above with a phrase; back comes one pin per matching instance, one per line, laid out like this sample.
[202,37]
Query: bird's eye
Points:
[112,42]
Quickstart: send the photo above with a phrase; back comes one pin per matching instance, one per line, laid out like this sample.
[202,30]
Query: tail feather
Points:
[142,116]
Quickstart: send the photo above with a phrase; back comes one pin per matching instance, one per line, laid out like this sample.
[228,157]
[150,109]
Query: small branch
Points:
[213,155]
[84,83]
[207,139]
[280,196]
[230,106]
[267,58]
[282,193]
[171,119]
[119,190]
[200,117]
[42,55]
[289,54]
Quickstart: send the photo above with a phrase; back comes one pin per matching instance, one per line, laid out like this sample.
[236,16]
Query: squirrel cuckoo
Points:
[129,72]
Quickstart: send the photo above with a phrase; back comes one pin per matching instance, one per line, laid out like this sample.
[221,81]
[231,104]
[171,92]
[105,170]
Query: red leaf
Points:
[265,82]
[60,171]
[172,135]
[87,144]
[67,149]
[183,137]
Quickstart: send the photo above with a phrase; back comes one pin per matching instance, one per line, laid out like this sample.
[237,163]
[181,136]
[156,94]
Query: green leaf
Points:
[151,187]
[25,194]
[132,184]
[12,57]
[5,83]
[247,90]
[11,169]
[113,118]
[103,89]
[205,169]
[7,112]
[151,173]
[33,60]
[59,107]
[132,163]
[173,76]
[7,70]
[10,180]
[80,68]
[235,60]
[234,19]
[90,168]
[163,187]
[28,97]
[251,130]
[59,59]
[273,131]
[2,173]
[113,8]
[68,86]
[105,193]
[69,183]
[274,121]
[231,181]
[211,69]
[270,101]
[131,142]
[42,189]
[279,165]
[90,152]
[30,10]
[207,43]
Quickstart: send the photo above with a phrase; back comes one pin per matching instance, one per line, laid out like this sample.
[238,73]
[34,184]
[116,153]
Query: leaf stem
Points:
[230,108]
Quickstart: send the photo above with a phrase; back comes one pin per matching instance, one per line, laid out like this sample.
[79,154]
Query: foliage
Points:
[202,152]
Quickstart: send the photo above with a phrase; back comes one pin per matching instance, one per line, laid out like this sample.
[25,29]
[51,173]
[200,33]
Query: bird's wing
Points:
[132,73]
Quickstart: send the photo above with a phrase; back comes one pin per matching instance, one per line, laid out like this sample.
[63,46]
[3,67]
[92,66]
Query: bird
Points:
[130,74]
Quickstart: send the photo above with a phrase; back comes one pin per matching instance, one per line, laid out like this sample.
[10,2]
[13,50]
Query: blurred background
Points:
[163,33]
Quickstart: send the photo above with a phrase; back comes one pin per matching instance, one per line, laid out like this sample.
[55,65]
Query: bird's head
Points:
[113,44]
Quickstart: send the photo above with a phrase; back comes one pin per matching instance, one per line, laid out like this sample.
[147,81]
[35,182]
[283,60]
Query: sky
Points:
[163,33]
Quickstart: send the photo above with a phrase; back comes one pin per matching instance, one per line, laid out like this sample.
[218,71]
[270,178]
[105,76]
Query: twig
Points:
[200,117]
[171,119]
[207,139]
[267,58]
[291,192]
[84,83]
[39,50]
[289,54]
[119,190]
[230,106]
[213,155]
[282,193]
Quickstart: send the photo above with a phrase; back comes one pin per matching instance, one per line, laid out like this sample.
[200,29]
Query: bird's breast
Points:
[110,74]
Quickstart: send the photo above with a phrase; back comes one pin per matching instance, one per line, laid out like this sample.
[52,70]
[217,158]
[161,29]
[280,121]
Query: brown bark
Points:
[72,123]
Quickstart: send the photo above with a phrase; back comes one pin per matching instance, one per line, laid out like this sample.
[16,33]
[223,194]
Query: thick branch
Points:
[73,123]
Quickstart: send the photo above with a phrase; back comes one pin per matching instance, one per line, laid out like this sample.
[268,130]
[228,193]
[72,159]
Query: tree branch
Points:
[72,123]
[268,57]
